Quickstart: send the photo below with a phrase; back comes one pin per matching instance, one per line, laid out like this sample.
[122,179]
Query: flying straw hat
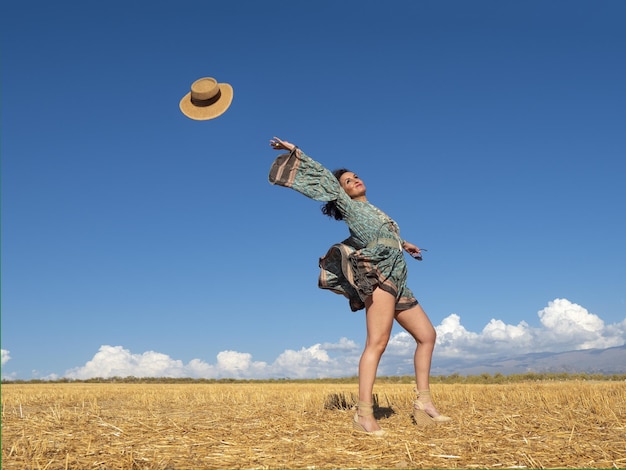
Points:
[207,99]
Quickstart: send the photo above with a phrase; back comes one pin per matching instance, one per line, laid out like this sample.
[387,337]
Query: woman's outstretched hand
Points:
[413,250]
[278,144]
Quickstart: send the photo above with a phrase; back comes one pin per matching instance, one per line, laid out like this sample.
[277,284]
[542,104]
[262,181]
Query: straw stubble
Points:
[307,425]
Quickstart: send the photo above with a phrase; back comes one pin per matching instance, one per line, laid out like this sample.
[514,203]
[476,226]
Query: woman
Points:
[370,270]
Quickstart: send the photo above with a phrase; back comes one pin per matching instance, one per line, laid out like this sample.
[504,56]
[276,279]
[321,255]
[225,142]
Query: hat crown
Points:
[204,89]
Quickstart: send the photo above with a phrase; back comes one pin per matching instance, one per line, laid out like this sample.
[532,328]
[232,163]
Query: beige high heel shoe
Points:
[421,417]
[365,409]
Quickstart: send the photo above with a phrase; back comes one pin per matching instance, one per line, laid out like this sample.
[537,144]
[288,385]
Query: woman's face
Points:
[352,185]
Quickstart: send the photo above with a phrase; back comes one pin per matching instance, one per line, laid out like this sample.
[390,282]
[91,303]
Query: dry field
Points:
[291,425]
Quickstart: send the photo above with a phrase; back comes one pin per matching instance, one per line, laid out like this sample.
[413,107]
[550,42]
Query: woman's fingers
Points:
[276,143]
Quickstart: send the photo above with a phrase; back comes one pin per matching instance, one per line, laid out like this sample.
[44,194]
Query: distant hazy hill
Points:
[592,361]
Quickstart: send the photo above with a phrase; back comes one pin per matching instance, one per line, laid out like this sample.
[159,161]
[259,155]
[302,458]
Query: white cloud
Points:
[453,338]
[6,357]
[564,326]
[237,365]
[570,325]
[496,338]
[115,361]
[315,361]
[344,344]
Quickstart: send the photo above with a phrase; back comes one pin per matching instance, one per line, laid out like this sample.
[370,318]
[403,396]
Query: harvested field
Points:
[303,426]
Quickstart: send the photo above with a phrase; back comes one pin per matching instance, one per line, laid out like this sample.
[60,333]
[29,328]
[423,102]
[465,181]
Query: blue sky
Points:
[136,241]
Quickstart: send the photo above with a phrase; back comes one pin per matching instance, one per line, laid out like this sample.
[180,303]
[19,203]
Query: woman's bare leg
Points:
[417,324]
[380,311]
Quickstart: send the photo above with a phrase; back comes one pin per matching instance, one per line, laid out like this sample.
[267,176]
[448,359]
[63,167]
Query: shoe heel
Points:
[356,425]
[420,416]
[366,410]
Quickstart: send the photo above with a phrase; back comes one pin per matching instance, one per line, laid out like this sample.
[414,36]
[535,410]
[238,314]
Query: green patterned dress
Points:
[371,257]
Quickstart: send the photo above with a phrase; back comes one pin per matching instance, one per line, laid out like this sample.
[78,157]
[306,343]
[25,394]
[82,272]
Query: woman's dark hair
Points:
[330,208]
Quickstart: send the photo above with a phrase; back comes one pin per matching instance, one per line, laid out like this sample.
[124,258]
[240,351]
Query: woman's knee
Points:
[423,333]
[377,344]
[427,336]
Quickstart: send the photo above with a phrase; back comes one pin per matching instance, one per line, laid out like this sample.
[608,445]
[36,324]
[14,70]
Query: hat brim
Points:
[204,113]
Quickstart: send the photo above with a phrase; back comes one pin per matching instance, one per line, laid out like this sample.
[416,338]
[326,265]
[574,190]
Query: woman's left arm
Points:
[298,171]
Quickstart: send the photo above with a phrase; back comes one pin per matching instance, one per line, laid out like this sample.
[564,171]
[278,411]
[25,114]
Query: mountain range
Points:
[591,361]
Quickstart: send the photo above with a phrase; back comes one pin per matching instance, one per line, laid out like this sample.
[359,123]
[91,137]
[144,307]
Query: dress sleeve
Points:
[298,171]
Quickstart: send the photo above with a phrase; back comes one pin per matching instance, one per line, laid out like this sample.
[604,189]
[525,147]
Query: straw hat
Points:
[207,99]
